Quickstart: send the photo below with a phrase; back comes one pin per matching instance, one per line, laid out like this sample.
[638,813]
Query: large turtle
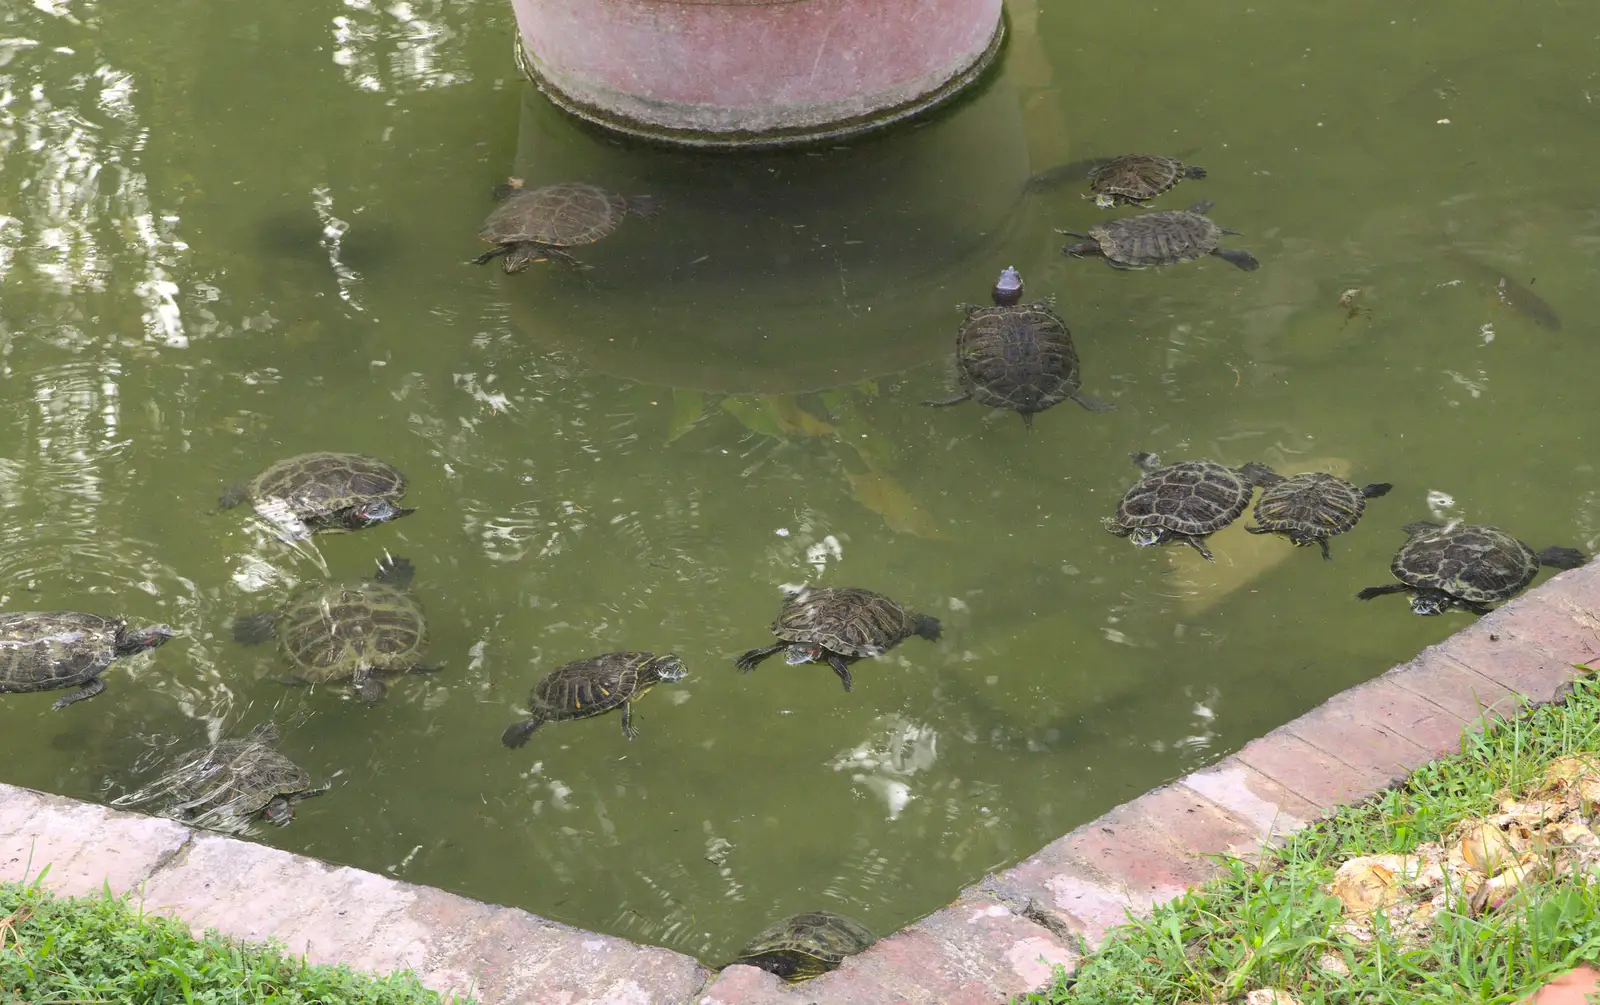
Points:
[1181,235]
[594,686]
[358,631]
[324,491]
[229,784]
[1465,565]
[1133,178]
[1017,356]
[49,650]
[1311,507]
[1185,501]
[535,225]
[838,625]
[806,945]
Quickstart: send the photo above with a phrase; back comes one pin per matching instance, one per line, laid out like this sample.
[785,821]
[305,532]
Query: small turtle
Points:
[229,784]
[1185,501]
[1465,565]
[839,625]
[1165,238]
[1133,178]
[1017,356]
[347,631]
[1311,507]
[324,491]
[805,946]
[594,686]
[535,225]
[49,650]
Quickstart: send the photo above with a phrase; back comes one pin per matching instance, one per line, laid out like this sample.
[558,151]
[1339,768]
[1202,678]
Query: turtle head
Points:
[141,639]
[669,668]
[803,652]
[372,512]
[1144,537]
[1430,602]
[1008,288]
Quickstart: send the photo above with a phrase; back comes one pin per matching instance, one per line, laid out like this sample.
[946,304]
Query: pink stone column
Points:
[734,73]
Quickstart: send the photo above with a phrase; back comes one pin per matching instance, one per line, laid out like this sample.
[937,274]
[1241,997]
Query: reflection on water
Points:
[233,236]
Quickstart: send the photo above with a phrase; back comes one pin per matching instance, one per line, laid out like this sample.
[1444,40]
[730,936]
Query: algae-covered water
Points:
[230,233]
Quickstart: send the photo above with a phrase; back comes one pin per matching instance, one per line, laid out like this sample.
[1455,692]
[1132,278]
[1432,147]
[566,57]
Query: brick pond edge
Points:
[1000,937]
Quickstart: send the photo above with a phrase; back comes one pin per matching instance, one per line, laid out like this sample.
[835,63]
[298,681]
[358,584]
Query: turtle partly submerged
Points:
[324,491]
[356,631]
[536,225]
[50,650]
[1185,501]
[1465,565]
[1134,178]
[594,686]
[837,626]
[1164,238]
[1017,356]
[1311,507]
[806,945]
[229,784]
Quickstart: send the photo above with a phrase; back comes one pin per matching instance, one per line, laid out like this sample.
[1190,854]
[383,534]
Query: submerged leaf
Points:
[879,492]
[754,416]
[687,408]
[792,418]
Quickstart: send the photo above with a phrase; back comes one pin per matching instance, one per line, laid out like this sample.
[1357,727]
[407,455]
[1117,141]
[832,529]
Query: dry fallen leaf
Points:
[1485,848]
[1334,964]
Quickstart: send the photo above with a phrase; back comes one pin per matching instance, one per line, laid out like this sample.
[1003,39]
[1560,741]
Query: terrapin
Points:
[1311,507]
[324,491]
[356,631]
[839,625]
[49,650]
[1133,178]
[1165,238]
[1017,356]
[535,225]
[1465,565]
[1185,501]
[594,686]
[805,946]
[229,784]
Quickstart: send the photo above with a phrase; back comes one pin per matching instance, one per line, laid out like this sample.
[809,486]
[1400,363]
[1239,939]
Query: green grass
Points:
[1267,925]
[55,951]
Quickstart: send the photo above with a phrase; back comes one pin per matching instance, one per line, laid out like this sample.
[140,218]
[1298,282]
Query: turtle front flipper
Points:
[1378,591]
[1238,257]
[368,690]
[1081,249]
[1198,543]
[629,731]
[751,659]
[254,629]
[1376,489]
[516,734]
[1324,543]
[91,687]
[234,495]
[958,399]
[841,668]
[1092,403]
[491,254]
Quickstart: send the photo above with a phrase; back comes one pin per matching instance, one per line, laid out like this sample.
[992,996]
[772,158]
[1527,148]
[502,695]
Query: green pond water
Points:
[234,232]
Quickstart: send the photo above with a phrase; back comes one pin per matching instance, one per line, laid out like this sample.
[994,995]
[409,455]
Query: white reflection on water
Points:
[403,47]
[883,765]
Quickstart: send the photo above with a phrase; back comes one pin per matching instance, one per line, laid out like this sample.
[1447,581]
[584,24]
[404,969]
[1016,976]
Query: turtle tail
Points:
[928,628]
[517,733]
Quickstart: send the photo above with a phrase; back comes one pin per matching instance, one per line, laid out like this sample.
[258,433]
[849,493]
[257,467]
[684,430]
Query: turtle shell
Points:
[335,631]
[1137,177]
[1019,357]
[46,650]
[1163,238]
[806,945]
[595,685]
[317,485]
[557,215]
[1311,505]
[851,622]
[232,781]
[1477,563]
[1191,497]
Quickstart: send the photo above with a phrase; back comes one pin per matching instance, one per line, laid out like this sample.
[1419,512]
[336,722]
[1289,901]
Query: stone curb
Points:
[1000,938]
